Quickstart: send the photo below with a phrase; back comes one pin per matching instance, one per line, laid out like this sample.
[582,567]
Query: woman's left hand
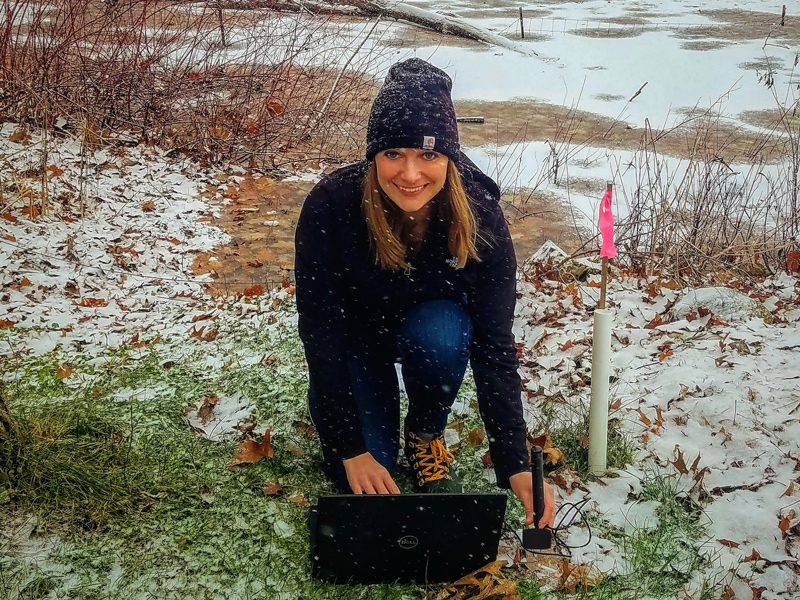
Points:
[522,485]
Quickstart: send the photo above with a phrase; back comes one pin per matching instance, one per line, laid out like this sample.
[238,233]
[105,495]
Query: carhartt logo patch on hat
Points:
[429,142]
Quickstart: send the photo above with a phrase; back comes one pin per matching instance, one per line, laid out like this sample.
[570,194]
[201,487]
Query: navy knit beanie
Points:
[413,109]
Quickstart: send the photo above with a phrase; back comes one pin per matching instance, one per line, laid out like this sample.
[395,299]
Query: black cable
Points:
[572,507]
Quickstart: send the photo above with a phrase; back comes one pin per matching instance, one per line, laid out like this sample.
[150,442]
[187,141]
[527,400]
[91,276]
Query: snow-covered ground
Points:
[709,396]
[712,393]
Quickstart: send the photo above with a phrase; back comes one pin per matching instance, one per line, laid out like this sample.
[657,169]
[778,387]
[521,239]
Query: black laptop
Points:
[421,538]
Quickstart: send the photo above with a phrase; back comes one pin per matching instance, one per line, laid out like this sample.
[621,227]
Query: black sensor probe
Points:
[534,538]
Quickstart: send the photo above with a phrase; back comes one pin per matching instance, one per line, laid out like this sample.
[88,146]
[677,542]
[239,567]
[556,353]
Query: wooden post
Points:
[522,23]
[783,15]
[604,274]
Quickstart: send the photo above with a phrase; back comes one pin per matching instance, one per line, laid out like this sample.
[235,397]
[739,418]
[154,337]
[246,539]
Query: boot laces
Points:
[433,461]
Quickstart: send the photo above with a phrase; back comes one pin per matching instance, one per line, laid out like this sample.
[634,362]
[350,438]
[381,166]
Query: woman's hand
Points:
[522,485]
[367,476]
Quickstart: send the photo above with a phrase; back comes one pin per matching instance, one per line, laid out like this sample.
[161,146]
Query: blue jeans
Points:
[432,345]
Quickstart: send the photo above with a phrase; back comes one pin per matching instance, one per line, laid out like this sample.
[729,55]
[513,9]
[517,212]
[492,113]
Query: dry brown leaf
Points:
[54,171]
[793,261]
[642,417]
[202,317]
[584,440]
[19,136]
[503,588]
[754,556]
[254,291]
[728,593]
[206,411]
[615,405]
[719,361]
[486,459]
[783,524]
[680,464]
[300,500]
[219,133]
[567,479]
[64,372]
[5,323]
[10,218]
[551,454]
[566,346]
[789,491]
[251,451]
[476,437]
[729,543]
[657,320]
[305,429]
[664,355]
[695,464]
[273,489]
[90,302]
[148,206]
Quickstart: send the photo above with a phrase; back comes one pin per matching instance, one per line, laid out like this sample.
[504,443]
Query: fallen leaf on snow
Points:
[754,556]
[90,302]
[729,543]
[789,491]
[206,412]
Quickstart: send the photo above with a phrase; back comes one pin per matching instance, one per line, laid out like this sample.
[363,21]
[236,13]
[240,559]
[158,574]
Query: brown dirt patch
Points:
[703,45]
[744,25]
[261,251]
[607,32]
[771,119]
[518,121]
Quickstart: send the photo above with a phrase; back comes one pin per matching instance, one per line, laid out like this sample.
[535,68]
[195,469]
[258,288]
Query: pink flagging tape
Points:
[608,249]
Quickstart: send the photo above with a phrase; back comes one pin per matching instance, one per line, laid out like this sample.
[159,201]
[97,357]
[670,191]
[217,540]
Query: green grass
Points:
[145,508]
[660,558]
[568,427]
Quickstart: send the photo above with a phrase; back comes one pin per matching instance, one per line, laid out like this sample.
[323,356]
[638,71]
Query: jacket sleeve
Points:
[494,355]
[321,323]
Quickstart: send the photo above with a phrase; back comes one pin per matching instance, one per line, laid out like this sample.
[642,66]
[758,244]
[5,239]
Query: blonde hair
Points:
[384,221]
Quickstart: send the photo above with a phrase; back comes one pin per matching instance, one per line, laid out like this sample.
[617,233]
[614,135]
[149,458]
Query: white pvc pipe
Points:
[598,410]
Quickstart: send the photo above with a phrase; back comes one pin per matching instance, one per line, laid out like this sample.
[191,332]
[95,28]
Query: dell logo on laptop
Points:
[408,542]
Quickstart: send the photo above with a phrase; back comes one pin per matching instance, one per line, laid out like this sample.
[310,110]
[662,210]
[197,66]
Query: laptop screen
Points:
[422,538]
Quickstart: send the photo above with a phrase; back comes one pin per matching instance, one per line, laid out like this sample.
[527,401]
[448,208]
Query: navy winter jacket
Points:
[343,297]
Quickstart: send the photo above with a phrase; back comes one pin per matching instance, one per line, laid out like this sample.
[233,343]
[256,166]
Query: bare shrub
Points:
[215,84]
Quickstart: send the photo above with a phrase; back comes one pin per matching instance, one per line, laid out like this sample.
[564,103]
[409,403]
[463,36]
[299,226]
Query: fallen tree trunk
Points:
[389,9]
[438,22]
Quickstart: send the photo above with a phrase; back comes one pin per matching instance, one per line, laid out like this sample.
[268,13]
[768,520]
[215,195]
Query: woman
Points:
[406,257]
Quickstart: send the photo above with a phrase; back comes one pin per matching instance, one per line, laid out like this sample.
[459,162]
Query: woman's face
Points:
[411,177]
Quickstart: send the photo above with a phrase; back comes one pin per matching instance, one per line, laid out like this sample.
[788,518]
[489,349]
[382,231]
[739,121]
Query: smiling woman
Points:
[410,177]
[405,257]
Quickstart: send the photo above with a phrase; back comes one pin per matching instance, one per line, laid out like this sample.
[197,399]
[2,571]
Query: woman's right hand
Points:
[367,476]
